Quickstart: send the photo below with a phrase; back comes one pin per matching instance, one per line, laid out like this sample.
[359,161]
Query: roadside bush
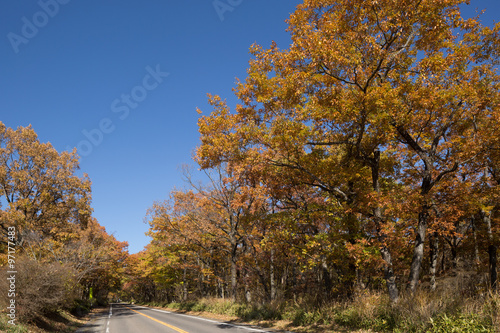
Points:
[80,307]
[424,312]
[41,288]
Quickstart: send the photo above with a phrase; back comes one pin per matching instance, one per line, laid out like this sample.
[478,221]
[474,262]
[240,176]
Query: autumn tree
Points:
[206,221]
[369,97]
[97,257]
[182,236]
[146,276]
[44,196]
[62,251]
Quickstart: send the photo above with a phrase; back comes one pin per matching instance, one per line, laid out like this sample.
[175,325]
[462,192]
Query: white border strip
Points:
[109,317]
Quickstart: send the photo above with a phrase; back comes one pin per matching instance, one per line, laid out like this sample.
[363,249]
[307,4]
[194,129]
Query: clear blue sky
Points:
[93,74]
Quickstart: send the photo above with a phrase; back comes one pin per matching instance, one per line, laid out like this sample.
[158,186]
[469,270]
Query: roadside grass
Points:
[225,307]
[9,328]
[367,312]
[58,322]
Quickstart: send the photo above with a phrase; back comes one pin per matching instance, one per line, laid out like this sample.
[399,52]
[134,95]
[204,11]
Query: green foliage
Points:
[8,328]
[463,323]
[391,321]
[302,317]
[80,307]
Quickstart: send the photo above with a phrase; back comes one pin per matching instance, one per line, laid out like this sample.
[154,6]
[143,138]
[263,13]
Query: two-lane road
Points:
[126,318]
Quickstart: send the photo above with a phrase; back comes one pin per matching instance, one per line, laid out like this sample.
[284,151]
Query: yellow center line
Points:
[159,321]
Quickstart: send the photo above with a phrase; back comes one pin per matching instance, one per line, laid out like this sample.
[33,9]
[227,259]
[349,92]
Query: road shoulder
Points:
[97,321]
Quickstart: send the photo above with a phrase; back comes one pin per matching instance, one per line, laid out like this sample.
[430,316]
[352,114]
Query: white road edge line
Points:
[205,319]
[109,317]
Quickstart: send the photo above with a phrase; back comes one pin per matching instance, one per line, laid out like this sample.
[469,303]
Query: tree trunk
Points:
[454,253]
[248,293]
[234,282]
[271,277]
[222,284]
[293,279]
[418,251]
[384,250]
[184,285]
[434,243]
[327,280]
[201,279]
[443,261]
[476,247]
[234,269]
[492,252]
[360,285]
[390,280]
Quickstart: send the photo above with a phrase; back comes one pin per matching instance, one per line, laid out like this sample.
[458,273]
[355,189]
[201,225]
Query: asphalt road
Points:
[127,318]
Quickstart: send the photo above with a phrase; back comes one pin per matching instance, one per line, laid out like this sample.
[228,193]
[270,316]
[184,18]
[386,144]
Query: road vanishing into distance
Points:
[127,318]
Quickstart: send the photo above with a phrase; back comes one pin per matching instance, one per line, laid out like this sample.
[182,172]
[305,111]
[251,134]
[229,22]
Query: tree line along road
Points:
[127,318]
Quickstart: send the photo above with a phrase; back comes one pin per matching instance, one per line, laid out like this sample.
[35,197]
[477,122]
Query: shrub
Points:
[423,312]
[41,288]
